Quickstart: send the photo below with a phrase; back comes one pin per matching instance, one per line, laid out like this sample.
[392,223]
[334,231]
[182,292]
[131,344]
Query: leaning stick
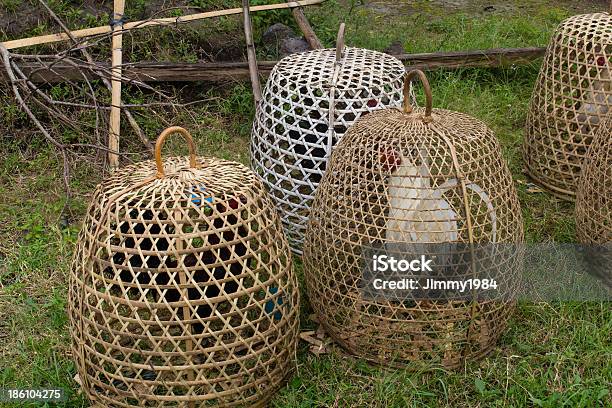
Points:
[306,28]
[252,57]
[88,32]
[116,61]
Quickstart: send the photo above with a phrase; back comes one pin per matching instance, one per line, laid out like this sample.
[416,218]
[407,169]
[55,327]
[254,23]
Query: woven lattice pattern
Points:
[182,291]
[594,198]
[309,102]
[572,96]
[594,205]
[395,178]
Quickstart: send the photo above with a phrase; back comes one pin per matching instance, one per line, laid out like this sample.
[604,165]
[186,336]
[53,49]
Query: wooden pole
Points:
[116,61]
[306,28]
[228,71]
[88,32]
[252,56]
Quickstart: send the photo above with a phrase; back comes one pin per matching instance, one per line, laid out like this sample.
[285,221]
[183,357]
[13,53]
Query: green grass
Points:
[552,355]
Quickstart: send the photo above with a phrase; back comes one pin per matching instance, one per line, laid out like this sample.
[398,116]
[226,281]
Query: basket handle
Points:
[340,42]
[160,143]
[428,97]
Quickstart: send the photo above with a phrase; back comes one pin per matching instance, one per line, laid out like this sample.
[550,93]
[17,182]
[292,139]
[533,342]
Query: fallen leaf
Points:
[533,189]
[318,350]
[307,337]
[317,346]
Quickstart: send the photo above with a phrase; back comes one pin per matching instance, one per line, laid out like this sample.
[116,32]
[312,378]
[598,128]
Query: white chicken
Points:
[599,97]
[418,212]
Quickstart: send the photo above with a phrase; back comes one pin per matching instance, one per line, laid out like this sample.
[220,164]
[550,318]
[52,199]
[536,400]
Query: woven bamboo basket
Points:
[402,177]
[594,203]
[309,102]
[573,94]
[182,291]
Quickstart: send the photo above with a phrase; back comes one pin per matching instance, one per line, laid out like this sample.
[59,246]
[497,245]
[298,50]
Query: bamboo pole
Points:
[88,32]
[251,55]
[306,28]
[116,61]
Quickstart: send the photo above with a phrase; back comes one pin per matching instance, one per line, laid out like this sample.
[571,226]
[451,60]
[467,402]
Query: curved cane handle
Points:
[428,97]
[340,42]
[160,143]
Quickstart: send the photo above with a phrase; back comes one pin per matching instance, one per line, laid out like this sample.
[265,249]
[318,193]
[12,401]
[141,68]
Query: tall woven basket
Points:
[399,178]
[309,102]
[572,96]
[594,203]
[182,291]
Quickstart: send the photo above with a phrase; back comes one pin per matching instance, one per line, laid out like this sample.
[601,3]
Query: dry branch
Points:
[135,127]
[6,59]
[60,127]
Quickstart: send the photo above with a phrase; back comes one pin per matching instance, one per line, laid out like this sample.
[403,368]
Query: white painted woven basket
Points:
[309,102]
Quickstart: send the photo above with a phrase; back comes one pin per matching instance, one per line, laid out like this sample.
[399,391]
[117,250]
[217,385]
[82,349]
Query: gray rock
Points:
[282,39]
[275,33]
[292,45]
[395,48]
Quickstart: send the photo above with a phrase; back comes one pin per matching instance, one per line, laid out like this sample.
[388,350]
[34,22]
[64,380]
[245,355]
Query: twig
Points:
[46,98]
[7,66]
[90,60]
[87,56]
